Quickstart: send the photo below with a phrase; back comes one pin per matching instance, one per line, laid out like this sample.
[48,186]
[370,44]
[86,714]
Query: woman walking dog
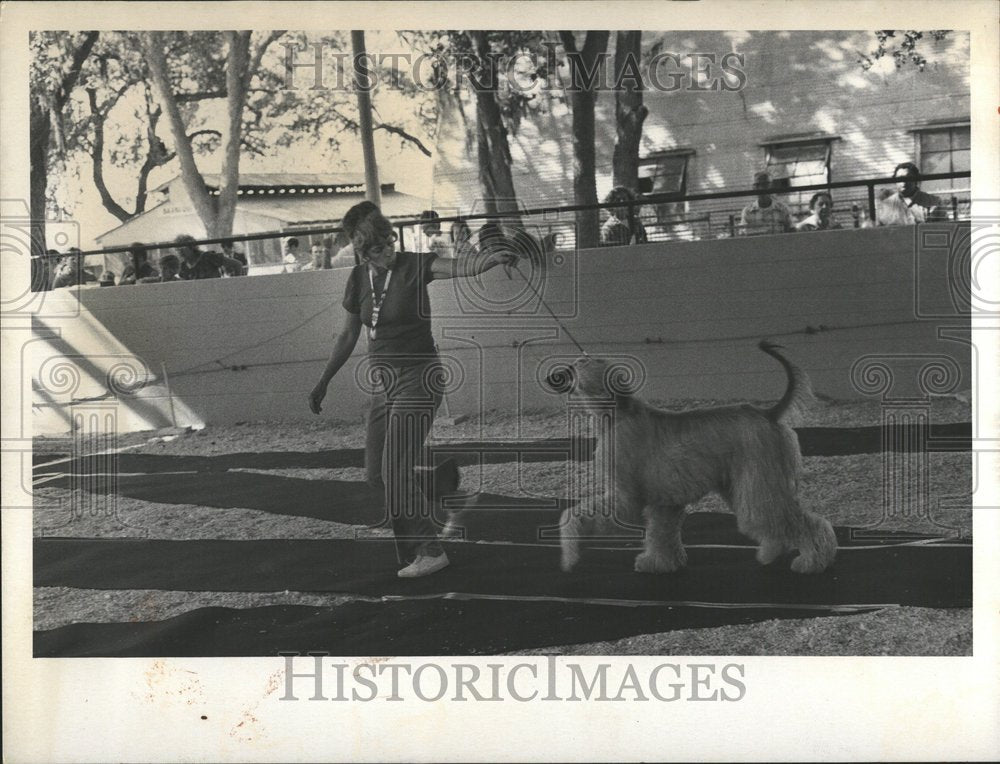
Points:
[387,293]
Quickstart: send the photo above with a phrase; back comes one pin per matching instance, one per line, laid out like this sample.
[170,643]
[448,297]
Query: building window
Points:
[944,149]
[666,174]
[800,163]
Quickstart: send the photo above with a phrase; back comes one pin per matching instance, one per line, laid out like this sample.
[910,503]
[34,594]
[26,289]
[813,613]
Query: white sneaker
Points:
[424,566]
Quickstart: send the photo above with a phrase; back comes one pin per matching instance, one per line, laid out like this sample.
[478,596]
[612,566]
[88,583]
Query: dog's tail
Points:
[798,395]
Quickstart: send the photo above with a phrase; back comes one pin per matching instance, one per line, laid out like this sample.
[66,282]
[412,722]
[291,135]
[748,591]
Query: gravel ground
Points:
[846,489]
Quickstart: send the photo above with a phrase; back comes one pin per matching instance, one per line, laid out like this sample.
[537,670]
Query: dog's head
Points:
[593,378]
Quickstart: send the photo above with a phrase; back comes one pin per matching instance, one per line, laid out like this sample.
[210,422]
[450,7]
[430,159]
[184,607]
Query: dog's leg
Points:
[817,545]
[664,551]
[572,528]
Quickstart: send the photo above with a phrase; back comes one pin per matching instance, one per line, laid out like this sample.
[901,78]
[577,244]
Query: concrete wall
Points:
[685,316]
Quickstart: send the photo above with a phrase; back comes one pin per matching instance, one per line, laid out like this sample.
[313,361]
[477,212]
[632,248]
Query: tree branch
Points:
[70,79]
[395,130]
[97,157]
[206,131]
[200,96]
[251,70]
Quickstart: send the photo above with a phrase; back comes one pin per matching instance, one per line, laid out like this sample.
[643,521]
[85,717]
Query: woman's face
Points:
[381,252]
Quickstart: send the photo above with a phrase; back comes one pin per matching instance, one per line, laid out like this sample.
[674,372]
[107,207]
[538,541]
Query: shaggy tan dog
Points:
[660,462]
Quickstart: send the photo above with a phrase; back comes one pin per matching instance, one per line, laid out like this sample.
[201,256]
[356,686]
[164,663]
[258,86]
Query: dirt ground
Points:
[847,490]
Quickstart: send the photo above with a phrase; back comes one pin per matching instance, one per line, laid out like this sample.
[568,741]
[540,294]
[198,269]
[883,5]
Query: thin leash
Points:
[551,312]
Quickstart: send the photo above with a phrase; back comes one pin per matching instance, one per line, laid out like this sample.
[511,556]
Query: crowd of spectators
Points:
[765,214]
[907,205]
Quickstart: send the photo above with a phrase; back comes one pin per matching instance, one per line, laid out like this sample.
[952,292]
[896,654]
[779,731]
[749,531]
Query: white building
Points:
[805,110]
[266,202]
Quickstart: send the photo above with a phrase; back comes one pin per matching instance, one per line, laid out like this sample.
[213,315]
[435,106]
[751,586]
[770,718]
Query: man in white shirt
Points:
[433,240]
[909,205]
[765,214]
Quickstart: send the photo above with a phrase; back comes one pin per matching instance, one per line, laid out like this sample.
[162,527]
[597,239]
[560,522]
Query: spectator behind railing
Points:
[196,264]
[765,214]
[623,226]
[319,258]
[107,279]
[170,266]
[821,219]
[433,240]
[229,250]
[290,261]
[139,266]
[461,239]
[909,205]
[70,271]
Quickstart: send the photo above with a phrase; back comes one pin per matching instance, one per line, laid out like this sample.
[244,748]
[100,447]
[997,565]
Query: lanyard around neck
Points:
[377,299]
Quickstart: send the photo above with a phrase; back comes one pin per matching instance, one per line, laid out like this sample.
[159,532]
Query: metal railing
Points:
[665,216]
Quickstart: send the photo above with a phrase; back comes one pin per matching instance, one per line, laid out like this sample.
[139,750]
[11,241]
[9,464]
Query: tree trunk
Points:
[493,148]
[237,81]
[154,48]
[582,98]
[41,129]
[630,112]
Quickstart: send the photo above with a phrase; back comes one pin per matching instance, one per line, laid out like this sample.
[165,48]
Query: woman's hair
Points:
[355,215]
[817,196]
[619,194]
[373,229]
[909,169]
[137,250]
[623,195]
[170,260]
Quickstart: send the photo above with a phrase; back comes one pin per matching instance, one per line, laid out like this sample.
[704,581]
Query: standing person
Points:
[139,266]
[387,294]
[909,205]
[821,219]
[765,214]
[623,226]
[196,264]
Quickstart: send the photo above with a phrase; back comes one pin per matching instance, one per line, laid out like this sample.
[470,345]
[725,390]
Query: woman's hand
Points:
[316,398]
[502,256]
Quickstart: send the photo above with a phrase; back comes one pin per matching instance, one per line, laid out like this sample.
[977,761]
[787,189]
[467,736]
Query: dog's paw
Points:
[807,564]
[651,563]
[570,557]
